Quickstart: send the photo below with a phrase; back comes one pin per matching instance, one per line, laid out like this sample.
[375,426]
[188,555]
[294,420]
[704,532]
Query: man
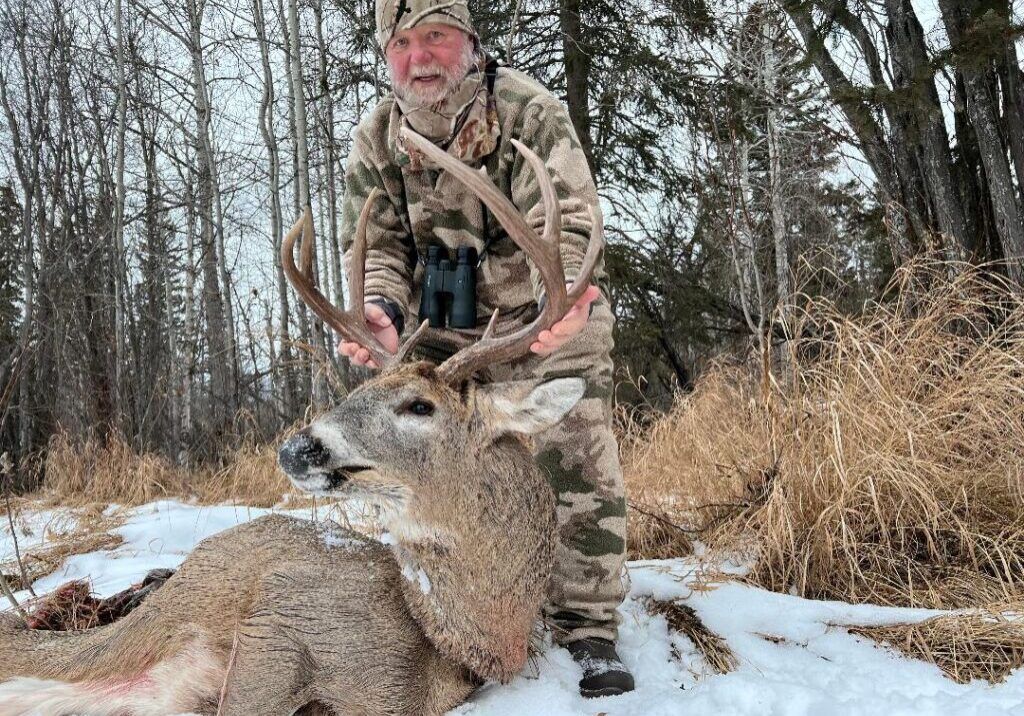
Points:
[446,89]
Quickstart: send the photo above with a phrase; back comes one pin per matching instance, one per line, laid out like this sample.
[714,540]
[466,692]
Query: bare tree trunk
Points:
[218,345]
[330,159]
[216,297]
[288,47]
[266,120]
[780,237]
[914,74]
[190,332]
[317,382]
[120,270]
[1011,82]
[577,74]
[981,108]
[743,244]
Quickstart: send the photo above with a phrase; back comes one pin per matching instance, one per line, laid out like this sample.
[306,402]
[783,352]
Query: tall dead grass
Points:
[884,465]
[110,470]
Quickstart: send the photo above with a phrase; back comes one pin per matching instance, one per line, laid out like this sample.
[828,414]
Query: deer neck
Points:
[476,562]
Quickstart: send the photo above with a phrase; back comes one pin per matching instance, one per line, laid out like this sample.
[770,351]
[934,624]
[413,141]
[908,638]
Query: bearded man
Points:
[448,90]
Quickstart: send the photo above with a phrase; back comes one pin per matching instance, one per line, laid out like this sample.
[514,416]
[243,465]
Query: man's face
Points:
[428,61]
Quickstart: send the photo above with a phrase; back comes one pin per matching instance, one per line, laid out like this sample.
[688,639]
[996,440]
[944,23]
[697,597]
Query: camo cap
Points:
[395,15]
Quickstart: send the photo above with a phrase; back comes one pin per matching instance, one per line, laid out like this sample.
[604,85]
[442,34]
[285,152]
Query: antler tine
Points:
[350,324]
[544,251]
[406,348]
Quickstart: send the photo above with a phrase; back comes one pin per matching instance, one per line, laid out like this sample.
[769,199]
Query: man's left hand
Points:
[572,323]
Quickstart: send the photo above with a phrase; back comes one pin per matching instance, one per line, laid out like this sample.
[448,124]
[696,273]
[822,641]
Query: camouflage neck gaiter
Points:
[465,123]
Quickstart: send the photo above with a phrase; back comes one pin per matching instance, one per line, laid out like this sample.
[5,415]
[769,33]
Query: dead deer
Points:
[282,615]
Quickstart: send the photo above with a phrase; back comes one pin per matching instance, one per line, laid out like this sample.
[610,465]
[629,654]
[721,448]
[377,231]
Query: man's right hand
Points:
[383,330]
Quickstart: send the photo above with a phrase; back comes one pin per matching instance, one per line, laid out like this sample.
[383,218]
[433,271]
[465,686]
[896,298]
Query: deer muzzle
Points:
[303,454]
[312,467]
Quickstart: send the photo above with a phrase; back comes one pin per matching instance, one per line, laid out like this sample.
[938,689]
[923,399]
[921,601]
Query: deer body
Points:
[281,615]
[319,616]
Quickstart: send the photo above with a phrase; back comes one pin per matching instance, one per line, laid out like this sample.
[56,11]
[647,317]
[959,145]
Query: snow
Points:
[795,658]
[417,576]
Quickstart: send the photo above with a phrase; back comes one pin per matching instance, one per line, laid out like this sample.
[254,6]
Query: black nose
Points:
[302,453]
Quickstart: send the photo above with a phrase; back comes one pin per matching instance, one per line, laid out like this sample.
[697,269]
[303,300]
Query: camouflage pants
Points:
[581,457]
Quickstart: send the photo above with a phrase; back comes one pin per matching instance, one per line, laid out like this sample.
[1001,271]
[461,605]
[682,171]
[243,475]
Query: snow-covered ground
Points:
[794,656]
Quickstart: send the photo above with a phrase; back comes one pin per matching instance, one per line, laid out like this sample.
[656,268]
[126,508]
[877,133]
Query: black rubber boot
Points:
[604,674]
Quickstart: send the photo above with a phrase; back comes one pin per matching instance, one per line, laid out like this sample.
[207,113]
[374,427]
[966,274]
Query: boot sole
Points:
[598,693]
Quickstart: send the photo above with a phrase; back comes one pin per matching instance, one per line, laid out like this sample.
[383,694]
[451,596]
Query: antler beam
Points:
[350,324]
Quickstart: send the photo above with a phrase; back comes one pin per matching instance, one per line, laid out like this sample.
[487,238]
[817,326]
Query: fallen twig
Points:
[665,521]
[6,470]
[227,674]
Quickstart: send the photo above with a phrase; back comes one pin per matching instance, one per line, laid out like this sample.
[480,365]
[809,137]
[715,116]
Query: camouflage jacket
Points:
[426,207]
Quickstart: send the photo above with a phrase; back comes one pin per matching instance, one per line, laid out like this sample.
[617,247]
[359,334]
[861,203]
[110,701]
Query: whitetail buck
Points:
[282,615]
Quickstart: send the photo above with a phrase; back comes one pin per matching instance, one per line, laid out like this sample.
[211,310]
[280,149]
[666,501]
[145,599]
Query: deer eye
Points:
[419,407]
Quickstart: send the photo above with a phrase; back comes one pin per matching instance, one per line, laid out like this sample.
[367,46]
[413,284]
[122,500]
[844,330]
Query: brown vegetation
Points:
[983,643]
[684,620]
[111,471]
[79,531]
[884,467]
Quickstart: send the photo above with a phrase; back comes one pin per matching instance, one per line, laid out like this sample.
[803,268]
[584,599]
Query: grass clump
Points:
[110,470]
[684,620]
[883,465]
[984,643]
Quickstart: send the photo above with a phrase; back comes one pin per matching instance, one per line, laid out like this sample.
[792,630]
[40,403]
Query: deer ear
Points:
[531,409]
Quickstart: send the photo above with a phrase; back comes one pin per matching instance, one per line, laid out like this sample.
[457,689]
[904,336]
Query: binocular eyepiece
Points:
[449,292]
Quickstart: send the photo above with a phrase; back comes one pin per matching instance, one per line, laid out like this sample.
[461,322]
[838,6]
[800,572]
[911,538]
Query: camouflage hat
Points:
[395,15]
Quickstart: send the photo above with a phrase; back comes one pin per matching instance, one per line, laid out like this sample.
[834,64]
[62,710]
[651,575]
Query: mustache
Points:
[432,69]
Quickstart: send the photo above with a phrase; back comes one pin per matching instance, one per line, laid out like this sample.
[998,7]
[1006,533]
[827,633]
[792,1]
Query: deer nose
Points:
[302,453]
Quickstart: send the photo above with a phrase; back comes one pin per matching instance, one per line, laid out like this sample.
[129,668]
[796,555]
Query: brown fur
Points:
[324,615]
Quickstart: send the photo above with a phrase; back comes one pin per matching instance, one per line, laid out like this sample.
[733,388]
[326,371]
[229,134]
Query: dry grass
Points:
[252,476]
[81,531]
[684,620]
[884,466]
[986,643]
[111,471]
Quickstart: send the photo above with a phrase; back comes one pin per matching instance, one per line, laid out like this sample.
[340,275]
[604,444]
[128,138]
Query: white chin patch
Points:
[319,484]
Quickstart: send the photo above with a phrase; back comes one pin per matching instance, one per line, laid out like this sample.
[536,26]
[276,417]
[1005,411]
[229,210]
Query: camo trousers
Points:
[581,458]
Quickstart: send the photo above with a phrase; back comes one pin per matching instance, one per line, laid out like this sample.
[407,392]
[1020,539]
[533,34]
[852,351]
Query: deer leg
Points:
[265,678]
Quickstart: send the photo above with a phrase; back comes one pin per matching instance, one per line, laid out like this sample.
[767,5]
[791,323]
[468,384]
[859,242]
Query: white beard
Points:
[411,93]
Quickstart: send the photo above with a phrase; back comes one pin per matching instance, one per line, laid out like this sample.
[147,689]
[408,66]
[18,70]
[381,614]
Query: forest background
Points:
[753,159]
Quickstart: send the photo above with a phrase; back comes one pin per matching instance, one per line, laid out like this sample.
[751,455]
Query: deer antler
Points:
[350,324]
[544,251]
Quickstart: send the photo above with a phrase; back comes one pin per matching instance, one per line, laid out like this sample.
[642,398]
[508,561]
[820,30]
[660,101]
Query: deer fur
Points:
[281,615]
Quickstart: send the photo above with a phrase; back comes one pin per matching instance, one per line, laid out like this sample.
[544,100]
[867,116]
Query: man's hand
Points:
[571,324]
[383,330]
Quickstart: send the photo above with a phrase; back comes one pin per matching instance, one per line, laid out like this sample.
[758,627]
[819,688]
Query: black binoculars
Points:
[449,292]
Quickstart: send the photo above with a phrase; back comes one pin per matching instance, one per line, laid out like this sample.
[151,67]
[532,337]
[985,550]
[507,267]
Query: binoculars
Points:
[449,292]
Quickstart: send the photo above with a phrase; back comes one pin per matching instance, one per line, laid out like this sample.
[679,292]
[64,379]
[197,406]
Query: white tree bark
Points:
[286,389]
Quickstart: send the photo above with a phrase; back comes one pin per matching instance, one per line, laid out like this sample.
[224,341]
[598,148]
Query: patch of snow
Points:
[335,538]
[416,575]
